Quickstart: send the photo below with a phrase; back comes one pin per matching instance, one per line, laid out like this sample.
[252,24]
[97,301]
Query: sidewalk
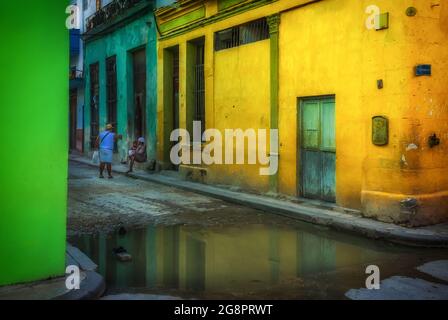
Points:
[432,236]
[409,288]
[92,284]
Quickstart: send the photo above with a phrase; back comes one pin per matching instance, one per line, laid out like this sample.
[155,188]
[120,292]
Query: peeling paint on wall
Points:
[411,146]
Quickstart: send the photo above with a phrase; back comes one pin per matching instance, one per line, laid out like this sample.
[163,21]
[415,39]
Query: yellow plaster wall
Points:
[321,49]
[325,48]
[237,94]
[208,31]
[241,101]
[331,52]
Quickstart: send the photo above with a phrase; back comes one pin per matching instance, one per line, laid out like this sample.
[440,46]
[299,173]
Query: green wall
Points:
[140,33]
[34,134]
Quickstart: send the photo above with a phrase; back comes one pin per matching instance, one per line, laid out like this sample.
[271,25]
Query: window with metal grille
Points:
[243,34]
[199,85]
[111,91]
[94,103]
[175,76]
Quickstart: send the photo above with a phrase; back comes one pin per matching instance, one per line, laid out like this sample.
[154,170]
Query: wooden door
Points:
[139,93]
[318,149]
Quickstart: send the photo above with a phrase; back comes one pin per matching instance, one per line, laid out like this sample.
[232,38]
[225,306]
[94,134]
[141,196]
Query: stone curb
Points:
[92,287]
[340,221]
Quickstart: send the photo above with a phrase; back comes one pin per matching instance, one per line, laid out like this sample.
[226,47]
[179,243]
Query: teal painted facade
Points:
[121,41]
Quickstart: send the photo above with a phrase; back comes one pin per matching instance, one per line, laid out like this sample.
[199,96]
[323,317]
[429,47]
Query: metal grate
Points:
[176,88]
[139,70]
[111,91]
[94,103]
[243,34]
[199,85]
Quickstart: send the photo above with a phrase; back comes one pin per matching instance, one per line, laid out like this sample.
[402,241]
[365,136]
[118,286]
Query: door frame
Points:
[171,107]
[94,67]
[144,105]
[299,156]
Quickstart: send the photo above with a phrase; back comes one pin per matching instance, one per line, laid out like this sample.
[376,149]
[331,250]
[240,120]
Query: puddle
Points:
[248,262]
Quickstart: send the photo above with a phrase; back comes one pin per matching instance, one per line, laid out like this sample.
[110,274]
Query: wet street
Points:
[103,205]
[192,246]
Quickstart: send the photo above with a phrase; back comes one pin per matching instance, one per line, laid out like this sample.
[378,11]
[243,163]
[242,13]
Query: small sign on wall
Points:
[380,131]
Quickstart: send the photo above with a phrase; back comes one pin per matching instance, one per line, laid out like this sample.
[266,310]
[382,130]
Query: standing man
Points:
[106,142]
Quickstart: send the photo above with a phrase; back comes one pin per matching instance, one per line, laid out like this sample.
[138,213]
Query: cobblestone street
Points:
[102,205]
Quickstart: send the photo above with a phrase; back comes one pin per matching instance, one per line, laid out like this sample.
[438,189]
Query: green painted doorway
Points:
[317,158]
[139,71]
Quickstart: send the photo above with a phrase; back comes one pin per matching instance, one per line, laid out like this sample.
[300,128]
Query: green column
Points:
[274,23]
[34,140]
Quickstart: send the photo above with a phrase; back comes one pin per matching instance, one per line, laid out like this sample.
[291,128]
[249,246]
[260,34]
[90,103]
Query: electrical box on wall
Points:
[383,21]
[380,131]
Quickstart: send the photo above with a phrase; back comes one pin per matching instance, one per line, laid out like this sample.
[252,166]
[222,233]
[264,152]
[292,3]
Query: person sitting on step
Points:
[137,153]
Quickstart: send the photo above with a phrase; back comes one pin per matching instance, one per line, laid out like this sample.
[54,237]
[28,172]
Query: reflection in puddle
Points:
[255,261]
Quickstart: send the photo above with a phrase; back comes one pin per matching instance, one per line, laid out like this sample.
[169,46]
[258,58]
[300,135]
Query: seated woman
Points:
[137,153]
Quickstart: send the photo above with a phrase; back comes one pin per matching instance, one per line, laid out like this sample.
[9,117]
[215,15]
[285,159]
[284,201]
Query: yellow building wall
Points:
[332,52]
[316,42]
[241,101]
[237,89]
[325,49]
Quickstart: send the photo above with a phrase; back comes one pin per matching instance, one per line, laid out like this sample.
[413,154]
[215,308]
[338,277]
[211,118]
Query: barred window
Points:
[243,34]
